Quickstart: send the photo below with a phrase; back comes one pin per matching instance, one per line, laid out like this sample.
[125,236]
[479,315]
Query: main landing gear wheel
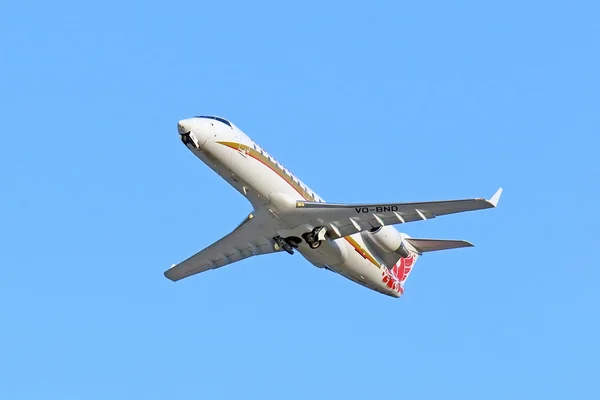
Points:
[315,245]
[315,237]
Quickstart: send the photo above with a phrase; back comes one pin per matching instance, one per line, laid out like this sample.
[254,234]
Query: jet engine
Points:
[388,240]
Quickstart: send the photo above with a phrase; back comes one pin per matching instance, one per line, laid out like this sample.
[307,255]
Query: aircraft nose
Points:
[192,133]
[184,126]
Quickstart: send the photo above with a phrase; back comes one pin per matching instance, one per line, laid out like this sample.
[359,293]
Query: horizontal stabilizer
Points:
[425,245]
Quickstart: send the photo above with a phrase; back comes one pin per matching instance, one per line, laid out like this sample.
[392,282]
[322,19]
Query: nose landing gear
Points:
[188,138]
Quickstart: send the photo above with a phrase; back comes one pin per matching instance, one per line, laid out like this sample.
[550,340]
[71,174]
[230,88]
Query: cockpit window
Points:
[223,120]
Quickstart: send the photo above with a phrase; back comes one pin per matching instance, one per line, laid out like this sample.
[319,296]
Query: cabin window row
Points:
[286,172]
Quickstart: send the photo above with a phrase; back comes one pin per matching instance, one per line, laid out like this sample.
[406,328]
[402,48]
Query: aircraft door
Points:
[243,142]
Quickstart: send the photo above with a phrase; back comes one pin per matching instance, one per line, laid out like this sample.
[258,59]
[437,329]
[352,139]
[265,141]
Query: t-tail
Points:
[397,274]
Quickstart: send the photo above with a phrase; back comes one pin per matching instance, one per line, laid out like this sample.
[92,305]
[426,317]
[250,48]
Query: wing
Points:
[245,241]
[346,219]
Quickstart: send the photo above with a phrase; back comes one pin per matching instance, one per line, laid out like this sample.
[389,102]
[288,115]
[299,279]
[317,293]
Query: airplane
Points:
[356,241]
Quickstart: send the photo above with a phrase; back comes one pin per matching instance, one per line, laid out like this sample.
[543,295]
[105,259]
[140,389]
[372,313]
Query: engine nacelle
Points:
[389,240]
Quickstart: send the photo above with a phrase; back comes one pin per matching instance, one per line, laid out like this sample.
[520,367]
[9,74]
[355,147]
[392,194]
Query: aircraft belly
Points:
[362,271]
[338,256]
[330,253]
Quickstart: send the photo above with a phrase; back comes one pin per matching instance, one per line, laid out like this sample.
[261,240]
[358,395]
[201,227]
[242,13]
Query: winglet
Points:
[495,198]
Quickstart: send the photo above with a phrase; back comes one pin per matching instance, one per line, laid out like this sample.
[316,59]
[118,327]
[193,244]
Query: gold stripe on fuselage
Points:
[301,191]
[272,165]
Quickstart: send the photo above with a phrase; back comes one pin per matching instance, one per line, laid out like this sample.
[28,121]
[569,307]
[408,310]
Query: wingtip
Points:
[496,197]
[168,275]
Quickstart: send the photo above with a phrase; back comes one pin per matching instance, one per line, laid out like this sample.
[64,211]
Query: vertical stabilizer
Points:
[395,277]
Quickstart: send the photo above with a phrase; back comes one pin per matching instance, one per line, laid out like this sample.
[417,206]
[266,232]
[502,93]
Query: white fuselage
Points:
[263,181]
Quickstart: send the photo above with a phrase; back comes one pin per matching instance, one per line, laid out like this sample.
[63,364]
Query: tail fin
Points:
[395,276]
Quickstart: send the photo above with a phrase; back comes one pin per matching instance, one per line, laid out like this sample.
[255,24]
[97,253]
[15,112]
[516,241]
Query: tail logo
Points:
[395,277]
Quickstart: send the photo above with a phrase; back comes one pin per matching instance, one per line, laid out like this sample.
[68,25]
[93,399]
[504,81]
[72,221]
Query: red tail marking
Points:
[394,277]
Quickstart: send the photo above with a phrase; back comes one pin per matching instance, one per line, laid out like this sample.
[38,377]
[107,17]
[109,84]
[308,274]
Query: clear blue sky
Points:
[401,102]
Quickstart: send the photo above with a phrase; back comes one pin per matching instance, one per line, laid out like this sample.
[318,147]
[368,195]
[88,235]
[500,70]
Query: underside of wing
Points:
[346,219]
[250,238]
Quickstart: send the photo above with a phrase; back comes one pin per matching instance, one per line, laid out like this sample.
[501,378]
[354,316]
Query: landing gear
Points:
[315,237]
[315,244]
[312,238]
[293,241]
[187,138]
[281,243]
